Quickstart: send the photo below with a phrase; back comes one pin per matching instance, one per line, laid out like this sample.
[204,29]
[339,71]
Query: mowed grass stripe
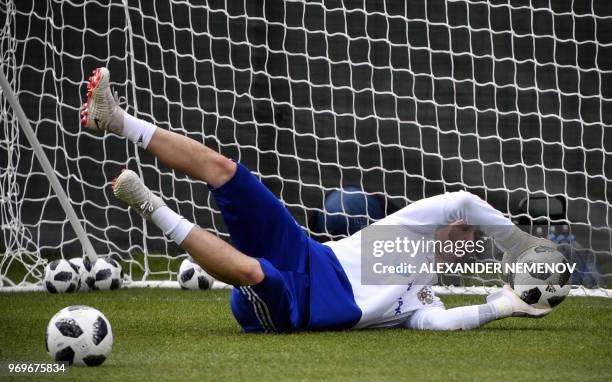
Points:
[188,335]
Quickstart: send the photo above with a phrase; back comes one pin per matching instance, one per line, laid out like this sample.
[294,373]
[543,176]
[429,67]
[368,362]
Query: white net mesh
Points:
[507,99]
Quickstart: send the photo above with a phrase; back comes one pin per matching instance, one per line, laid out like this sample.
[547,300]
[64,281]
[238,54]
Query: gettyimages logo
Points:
[412,247]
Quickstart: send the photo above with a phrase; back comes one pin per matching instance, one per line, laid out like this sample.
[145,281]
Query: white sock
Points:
[137,130]
[174,225]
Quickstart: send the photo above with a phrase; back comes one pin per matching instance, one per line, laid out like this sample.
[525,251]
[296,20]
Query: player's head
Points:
[459,233]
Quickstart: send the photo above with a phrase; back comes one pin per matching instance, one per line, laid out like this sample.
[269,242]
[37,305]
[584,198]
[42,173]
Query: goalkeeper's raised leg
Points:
[101,112]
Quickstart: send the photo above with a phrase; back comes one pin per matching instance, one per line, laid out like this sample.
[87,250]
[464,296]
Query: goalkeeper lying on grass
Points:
[285,281]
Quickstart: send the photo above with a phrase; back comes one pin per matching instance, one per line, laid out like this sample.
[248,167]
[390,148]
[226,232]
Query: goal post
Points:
[88,249]
[511,100]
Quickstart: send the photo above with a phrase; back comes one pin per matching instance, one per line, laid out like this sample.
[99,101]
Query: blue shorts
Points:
[304,285]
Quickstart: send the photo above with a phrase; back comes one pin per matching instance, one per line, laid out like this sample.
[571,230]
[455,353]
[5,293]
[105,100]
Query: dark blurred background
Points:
[403,99]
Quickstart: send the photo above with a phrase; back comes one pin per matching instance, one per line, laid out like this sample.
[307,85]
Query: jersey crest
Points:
[425,295]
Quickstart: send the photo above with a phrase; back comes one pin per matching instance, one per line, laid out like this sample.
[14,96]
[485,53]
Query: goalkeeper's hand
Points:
[508,304]
[518,243]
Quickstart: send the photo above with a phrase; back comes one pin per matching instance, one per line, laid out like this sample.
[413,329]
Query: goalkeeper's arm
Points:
[501,304]
[475,211]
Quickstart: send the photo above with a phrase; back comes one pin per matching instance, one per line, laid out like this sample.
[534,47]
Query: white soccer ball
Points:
[192,276]
[79,335]
[61,277]
[107,274]
[86,278]
[544,289]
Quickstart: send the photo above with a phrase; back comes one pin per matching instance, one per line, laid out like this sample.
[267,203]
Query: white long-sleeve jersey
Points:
[392,305]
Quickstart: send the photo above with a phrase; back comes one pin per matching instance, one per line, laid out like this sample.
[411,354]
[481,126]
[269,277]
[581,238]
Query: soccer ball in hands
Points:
[192,276]
[107,274]
[79,335]
[61,277]
[86,278]
[545,289]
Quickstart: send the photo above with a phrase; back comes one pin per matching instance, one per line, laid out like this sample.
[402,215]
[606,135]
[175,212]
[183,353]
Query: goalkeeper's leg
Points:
[102,112]
[263,300]
[217,257]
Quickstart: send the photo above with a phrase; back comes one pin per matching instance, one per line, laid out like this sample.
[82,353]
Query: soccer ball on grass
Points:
[61,277]
[79,335]
[192,276]
[107,274]
[84,267]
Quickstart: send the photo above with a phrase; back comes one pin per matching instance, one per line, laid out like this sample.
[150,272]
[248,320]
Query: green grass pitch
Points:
[191,335]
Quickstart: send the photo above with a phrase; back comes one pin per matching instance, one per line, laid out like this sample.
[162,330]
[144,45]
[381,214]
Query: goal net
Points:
[511,100]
